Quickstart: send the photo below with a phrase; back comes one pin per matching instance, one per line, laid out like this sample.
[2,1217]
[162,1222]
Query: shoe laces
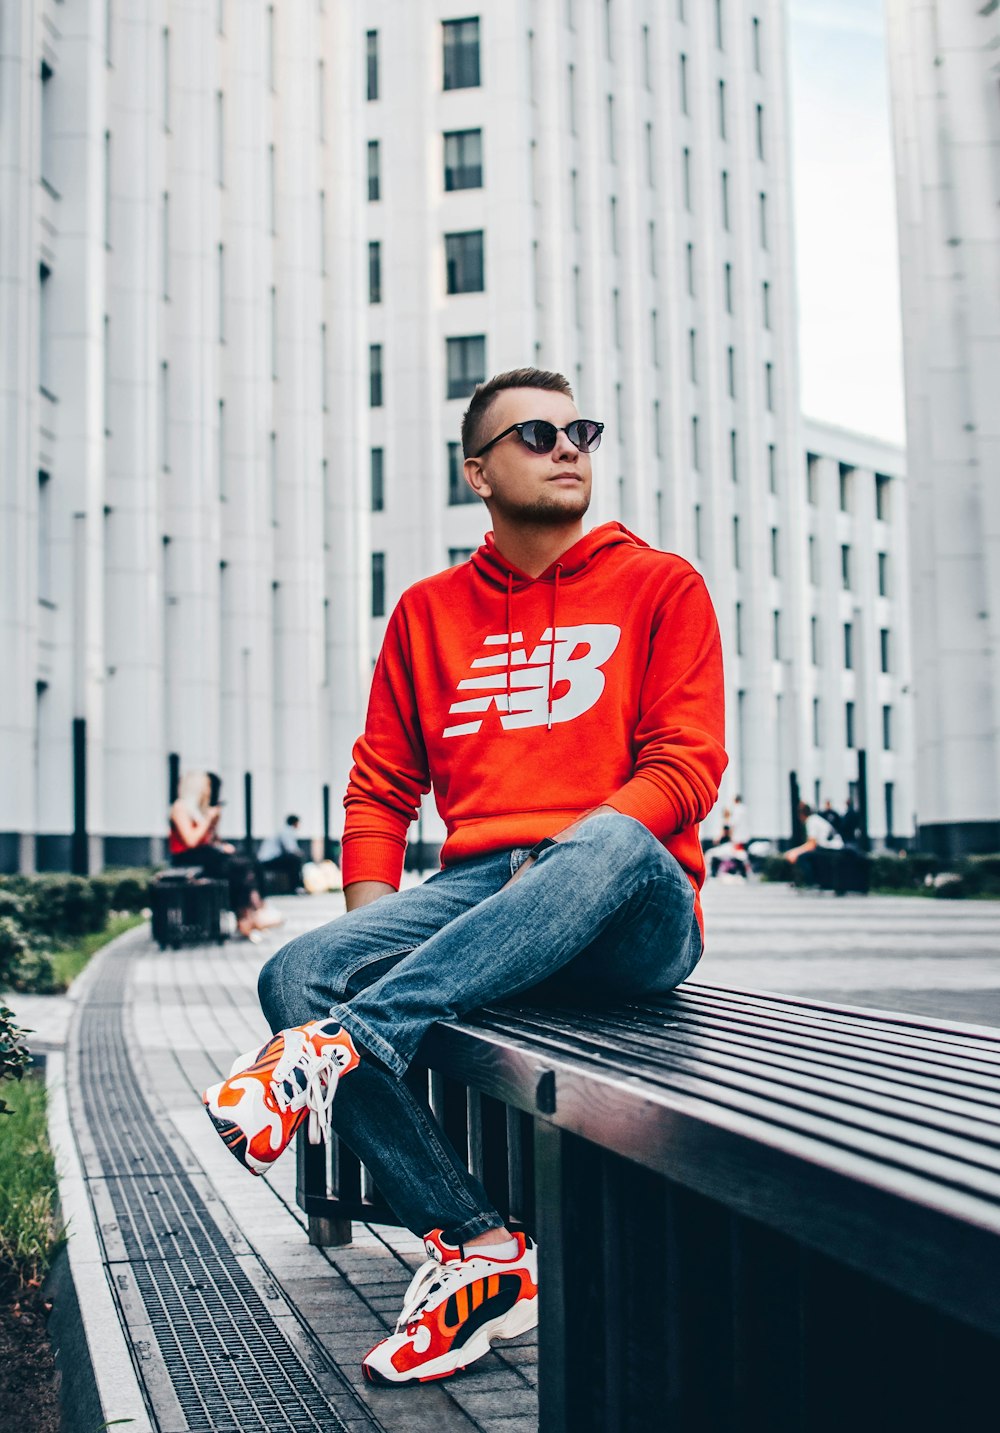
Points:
[307,1079]
[431,1278]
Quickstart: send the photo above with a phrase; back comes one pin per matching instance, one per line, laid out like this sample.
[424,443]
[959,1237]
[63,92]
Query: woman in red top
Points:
[193,841]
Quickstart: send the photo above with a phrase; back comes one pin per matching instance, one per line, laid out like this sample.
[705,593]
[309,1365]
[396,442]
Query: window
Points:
[650,156]
[775,543]
[765,291]
[887,728]
[457,555]
[762,200]
[616,316]
[272,189]
[464,262]
[654,337]
[371,59]
[890,794]
[846,475]
[571,96]
[882,497]
[722,109]
[107,189]
[727,286]
[378,584]
[374,171]
[165,68]
[44,538]
[322,231]
[845,566]
[461,54]
[814,640]
[220,456]
[686,177]
[718,24]
[776,634]
[652,248]
[848,646]
[760,131]
[731,370]
[849,724]
[378,479]
[613,221]
[269,46]
[734,455]
[463,159]
[693,356]
[690,269]
[611,128]
[813,561]
[458,489]
[164,416]
[817,730]
[739,629]
[574,198]
[222,294]
[375,397]
[695,444]
[657,437]
[755,35]
[683,82]
[466,364]
[321,100]
[273,317]
[883,647]
[725,200]
[165,247]
[697,531]
[220,148]
[107,376]
[883,574]
[608,51]
[736,543]
[769,387]
[272,475]
[772,468]
[647,68]
[812,462]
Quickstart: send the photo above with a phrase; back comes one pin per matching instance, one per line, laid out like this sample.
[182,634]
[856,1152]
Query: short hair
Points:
[291,820]
[474,418]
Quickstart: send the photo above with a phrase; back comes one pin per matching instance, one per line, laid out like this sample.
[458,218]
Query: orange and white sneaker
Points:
[268,1093]
[455,1306]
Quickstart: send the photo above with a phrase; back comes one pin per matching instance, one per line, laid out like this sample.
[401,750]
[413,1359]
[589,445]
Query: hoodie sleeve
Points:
[390,768]
[678,751]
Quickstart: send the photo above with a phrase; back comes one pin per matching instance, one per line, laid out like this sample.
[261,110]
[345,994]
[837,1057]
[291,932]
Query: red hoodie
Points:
[520,735]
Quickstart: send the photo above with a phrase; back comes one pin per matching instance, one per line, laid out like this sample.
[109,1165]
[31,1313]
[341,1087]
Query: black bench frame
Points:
[747,1271]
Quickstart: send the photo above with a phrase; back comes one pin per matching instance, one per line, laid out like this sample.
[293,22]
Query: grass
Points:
[71,959]
[28,1233]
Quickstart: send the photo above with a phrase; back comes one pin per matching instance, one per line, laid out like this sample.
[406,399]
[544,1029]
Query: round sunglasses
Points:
[539,435]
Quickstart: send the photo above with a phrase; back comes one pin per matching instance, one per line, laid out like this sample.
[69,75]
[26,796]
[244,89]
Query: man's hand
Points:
[362,893]
[562,835]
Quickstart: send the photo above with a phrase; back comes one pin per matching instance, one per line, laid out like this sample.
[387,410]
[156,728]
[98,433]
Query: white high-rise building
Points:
[255,257]
[945,72]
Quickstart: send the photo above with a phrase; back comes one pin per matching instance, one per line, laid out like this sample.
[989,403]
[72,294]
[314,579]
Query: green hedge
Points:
[915,871]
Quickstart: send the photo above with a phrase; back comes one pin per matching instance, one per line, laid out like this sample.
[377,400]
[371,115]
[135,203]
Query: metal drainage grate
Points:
[203,1338]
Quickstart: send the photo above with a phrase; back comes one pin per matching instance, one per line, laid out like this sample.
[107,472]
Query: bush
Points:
[14,1056]
[127,890]
[776,868]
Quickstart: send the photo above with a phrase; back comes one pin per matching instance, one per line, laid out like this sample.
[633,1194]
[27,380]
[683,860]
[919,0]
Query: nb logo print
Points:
[578,656]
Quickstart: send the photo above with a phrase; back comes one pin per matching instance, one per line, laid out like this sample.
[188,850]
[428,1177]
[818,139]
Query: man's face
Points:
[525,486]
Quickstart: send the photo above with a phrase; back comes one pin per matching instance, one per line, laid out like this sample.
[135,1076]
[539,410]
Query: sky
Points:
[845,217]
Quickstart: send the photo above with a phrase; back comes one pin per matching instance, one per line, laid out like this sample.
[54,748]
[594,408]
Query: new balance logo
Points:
[577,679]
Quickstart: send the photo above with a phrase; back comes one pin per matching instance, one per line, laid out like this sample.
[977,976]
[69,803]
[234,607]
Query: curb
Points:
[99,1384]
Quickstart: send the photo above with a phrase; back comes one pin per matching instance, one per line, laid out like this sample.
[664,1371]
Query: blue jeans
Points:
[607,913]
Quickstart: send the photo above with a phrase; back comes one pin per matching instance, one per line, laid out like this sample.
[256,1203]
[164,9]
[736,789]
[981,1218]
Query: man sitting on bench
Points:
[562,694]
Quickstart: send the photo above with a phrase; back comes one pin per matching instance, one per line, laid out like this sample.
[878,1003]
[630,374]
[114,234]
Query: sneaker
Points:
[455,1306]
[267,1095]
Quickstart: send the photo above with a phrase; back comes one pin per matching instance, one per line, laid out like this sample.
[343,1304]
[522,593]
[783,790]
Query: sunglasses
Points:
[540,436]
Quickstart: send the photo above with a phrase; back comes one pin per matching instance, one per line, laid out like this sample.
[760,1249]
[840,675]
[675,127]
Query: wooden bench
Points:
[792,1210]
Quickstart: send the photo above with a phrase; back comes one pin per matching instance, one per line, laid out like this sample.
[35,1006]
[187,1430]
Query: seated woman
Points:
[194,841]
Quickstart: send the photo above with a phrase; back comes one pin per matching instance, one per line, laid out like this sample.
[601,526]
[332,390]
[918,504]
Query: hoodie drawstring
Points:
[510,629]
[552,647]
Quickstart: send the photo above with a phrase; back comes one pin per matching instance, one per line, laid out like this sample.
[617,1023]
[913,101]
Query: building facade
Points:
[945,79]
[256,257]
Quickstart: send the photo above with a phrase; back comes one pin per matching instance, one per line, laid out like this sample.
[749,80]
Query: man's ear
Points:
[476,478]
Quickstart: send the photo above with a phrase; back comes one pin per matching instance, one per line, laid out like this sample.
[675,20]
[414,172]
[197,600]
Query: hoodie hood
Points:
[490,563]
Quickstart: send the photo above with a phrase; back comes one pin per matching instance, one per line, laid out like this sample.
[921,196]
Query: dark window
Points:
[849,724]
[458,489]
[725,199]
[374,271]
[459,554]
[760,131]
[775,553]
[463,159]
[683,82]
[372,64]
[846,473]
[883,574]
[883,643]
[848,646]
[461,54]
[374,171]
[772,467]
[845,566]
[736,543]
[882,496]
[466,364]
[378,584]
[739,629]
[817,726]
[464,262]
[813,561]
[756,43]
[375,375]
[889,804]
[887,728]
[812,462]
[734,456]
[776,620]
[814,640]
[378,479]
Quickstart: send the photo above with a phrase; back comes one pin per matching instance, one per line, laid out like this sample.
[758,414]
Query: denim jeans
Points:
[605,914]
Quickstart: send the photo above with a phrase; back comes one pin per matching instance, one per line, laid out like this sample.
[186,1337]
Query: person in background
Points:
[820,835]
[283,853]
[194,841]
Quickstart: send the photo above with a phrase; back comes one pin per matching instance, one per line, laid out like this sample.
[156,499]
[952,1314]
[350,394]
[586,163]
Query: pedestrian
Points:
[820,837]
[281,852]
[562,694]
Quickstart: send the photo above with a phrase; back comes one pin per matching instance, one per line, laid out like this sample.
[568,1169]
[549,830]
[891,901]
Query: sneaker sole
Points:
[518,1320]
[235,1140]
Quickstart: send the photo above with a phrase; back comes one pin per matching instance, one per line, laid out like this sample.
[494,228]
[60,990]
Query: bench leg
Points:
[328,1233]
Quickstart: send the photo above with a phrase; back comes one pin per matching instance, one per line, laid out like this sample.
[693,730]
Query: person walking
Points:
[562,694]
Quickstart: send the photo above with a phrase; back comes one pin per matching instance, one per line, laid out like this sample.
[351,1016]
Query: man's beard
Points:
[543,511]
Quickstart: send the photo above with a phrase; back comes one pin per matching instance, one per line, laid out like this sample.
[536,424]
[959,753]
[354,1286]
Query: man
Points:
[820,837]
[562,694]
[283,853]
